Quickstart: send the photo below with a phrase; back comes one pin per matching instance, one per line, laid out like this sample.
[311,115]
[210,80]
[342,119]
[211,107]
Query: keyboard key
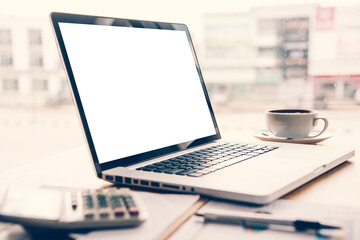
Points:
[172,171]
[212,168]
[199,167]
[203,171]
[185,172]
[234,155]
[146,169]
[195,174]
[253,154]
[218,161]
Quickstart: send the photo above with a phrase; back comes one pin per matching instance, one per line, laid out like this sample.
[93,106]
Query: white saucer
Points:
[266,135]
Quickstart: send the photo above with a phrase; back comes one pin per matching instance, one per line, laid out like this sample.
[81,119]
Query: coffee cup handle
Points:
[326,124]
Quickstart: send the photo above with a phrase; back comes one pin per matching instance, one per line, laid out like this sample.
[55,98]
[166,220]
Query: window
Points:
[36,59]
[39,85]
[6,58]
[5,37]
[10,85]
[35,37]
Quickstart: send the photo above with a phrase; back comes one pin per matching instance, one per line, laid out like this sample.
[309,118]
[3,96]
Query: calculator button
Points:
[115,201]
[104,215]
[74,206]
[74,203]
[89,216]
[102,201]
[88,202]
[133,211]
[119,211]
[129,202]
[109,205]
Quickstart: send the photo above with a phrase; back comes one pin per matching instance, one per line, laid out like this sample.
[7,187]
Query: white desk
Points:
[73,168]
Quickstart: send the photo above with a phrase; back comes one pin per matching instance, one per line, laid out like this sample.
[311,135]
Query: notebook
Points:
[148,119]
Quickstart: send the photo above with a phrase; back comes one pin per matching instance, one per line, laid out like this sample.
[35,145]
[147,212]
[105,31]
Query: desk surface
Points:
[73,168]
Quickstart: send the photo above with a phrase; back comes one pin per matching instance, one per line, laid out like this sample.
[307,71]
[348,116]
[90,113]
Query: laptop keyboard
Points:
[205,161]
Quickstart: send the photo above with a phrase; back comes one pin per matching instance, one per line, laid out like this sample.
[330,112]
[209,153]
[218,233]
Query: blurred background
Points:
[254,55]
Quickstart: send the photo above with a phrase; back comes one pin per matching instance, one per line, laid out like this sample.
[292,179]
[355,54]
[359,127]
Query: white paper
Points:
[196,229]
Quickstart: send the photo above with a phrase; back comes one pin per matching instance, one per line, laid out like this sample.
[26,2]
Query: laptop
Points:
[149,123]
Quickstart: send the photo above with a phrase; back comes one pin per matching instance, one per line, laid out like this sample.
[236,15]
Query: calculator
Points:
[72,209]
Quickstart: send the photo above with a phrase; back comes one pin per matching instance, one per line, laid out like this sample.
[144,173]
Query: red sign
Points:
[325,18]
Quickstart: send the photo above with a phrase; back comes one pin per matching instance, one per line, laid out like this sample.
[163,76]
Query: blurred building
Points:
[289,53]
[30,69]
[293,54]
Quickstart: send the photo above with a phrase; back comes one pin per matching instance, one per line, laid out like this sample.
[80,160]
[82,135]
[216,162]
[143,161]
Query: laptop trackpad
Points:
[264,175]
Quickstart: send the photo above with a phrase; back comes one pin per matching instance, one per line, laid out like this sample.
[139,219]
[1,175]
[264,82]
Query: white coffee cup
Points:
[294,123]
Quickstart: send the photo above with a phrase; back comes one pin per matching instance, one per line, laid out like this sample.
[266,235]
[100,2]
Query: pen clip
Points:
[199,214]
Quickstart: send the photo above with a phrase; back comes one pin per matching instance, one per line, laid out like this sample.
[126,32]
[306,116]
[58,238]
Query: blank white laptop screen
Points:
[139,88]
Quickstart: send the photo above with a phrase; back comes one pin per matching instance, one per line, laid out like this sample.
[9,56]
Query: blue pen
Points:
[260,218]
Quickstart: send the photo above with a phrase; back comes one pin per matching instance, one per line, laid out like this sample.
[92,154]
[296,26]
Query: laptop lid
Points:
[137,86]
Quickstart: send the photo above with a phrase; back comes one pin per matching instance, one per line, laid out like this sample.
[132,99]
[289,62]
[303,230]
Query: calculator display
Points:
[32,203]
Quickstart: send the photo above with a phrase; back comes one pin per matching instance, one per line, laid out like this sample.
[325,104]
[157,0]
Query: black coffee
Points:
[291,111]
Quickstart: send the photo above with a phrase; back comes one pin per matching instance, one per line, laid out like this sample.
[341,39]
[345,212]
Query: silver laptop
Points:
[148,120]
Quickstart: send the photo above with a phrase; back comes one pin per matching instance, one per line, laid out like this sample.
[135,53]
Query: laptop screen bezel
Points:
[57,18]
